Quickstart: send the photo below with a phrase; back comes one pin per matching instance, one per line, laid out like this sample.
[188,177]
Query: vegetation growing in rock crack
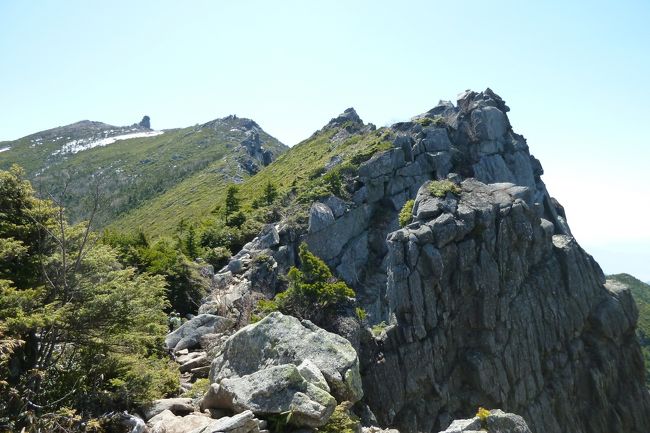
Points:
[482,414]
[312,291]
[440,188]
[342,421]
[406,214]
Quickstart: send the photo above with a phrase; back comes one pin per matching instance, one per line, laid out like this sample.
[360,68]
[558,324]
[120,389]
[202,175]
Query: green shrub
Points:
[312,289]
[428,121]
[378,329]
[218,257]
[440,188]
[360,313]
[236,220]
[199,388]
[406,214]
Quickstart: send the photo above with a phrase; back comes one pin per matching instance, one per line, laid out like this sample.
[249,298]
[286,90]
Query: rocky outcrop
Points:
[487,298]
[145,123]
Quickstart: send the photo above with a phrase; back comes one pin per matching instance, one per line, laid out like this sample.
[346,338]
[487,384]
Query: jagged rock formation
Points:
[145,123]
[256,154]
[486,296]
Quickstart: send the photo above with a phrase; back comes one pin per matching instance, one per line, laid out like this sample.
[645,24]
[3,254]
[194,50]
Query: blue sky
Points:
[575,74]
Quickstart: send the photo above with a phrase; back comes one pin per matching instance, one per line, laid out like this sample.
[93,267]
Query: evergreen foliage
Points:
[312,291]
[233,203]
[406,214]
[270,193]
[79,333]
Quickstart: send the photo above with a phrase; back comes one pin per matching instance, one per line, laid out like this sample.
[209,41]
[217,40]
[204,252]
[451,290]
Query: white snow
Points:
[75,146]
[5,148]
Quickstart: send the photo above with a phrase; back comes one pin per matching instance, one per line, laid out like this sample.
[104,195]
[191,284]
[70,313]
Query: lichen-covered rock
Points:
[274,391]
[278,339]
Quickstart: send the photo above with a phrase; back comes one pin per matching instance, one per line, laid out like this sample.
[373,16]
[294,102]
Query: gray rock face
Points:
[488,298]
[274,391]
[492,308]
[320,217]
[278,339]
[189,334]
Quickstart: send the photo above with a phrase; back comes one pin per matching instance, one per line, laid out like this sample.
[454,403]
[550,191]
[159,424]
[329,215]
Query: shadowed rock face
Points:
[488,298]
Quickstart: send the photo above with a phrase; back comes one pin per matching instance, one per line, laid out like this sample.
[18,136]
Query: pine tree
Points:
[78,330]
[270,193]
[233,203]
[190,243]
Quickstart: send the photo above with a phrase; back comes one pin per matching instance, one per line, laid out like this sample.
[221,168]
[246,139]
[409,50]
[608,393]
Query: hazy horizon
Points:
[574,76]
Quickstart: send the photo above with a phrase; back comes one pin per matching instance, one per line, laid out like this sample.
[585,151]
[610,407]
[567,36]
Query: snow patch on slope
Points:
[75,146]
[5,148]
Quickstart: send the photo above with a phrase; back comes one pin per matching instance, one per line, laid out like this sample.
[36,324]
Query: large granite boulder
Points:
[278,339]
[274,391]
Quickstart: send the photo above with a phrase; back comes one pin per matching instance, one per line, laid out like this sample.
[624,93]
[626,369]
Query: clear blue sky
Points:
[576,75]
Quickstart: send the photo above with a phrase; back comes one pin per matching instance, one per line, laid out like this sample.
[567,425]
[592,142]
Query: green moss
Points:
[428,121]
[342,421]
[406,214]
[440,188]
[378,328]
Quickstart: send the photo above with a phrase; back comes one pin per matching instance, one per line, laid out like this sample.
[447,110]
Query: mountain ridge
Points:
[133,164]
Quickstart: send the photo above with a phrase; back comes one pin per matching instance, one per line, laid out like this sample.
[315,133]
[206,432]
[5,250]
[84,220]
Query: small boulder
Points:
[496,422]
[320,217]
[189,334]
[177,406]
[244,422]
[167,422]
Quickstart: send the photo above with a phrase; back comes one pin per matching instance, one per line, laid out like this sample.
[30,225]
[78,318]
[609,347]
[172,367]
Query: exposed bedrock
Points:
[487,298]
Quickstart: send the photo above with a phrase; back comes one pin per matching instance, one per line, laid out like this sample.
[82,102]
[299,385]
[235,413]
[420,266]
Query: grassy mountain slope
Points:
[130,172]
[196,197]
[641,293]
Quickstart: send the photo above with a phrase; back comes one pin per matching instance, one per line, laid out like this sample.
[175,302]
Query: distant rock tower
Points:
[145,122]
